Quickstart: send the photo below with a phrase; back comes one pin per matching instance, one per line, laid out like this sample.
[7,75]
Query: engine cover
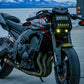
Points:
[21,48]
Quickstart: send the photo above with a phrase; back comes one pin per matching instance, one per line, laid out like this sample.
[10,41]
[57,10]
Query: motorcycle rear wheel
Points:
[69,71]
[5,69]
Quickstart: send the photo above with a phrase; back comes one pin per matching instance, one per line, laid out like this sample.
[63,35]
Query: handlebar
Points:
[73,16]
[39,13]
[32,18]
[49,13]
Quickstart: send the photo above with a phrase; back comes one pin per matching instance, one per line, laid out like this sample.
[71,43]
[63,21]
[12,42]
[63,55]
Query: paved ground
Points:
[17,77]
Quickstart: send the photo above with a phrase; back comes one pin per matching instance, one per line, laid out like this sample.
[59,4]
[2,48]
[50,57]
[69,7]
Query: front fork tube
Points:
[56,51]
[69,38]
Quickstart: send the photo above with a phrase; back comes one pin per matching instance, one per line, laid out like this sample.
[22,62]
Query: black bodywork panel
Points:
[4,17]
[60,10]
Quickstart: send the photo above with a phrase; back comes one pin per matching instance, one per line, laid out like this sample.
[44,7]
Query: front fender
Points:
[60,49]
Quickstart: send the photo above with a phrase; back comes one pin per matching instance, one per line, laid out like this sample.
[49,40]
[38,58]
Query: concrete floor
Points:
[18,77]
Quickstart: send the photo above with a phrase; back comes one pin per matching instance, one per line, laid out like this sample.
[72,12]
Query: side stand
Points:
[41,79]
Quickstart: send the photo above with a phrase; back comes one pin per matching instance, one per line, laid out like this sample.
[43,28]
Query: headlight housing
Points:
[62,23]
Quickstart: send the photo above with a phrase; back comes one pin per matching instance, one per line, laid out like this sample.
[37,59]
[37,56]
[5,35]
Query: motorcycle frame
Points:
[34,32]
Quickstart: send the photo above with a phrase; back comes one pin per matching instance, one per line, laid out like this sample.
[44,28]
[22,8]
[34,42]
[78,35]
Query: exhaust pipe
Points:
[45,68]
[38,74]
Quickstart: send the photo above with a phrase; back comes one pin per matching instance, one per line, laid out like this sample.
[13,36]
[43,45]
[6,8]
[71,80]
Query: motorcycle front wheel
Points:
[69,70]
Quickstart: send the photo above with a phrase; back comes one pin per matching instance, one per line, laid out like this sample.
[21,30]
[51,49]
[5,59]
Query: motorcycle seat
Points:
[4,17]
[10,17]
[15,26]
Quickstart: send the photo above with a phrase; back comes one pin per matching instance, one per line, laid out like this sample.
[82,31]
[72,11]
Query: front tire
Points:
[69,70]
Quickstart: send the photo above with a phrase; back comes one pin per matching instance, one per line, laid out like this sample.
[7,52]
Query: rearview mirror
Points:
[81,23]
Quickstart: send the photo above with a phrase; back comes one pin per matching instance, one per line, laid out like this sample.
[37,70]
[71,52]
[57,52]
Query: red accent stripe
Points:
[82,23]
[5,41]
[62,77]
[28,23]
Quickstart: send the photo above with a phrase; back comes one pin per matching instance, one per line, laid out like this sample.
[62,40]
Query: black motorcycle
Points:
[36,46]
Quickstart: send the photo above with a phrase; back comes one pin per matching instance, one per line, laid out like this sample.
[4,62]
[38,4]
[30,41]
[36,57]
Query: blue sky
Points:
[64,0]
[36,0]
[37,3]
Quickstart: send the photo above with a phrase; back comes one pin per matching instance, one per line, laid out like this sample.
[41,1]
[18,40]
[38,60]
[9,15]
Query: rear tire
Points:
[5,69]
[70,66]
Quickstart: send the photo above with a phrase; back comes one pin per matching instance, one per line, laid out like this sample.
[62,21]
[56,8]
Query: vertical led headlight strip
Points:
[63,23]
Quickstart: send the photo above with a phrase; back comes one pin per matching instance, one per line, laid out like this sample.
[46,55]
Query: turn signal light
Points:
[73,23]
[78,8]
[78,11]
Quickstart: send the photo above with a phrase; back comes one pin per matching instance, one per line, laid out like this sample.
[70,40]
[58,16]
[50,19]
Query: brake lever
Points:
[35,17]
[42,11]
[74,17]
[38,16]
